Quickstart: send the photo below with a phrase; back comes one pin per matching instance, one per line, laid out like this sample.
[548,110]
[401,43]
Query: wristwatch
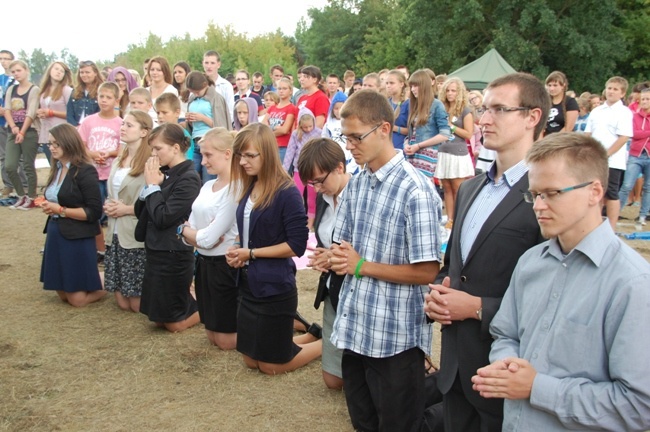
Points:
[479,314]
[179,231]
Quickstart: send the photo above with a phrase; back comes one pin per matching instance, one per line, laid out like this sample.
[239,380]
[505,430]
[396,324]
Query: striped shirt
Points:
[390,216]
[486,201]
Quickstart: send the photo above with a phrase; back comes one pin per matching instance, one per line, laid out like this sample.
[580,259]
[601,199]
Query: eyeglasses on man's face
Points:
[354,140]
[499,111]
[315,182]
[547,196]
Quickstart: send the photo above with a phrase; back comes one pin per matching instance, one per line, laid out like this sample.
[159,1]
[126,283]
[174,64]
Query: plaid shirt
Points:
[391,216]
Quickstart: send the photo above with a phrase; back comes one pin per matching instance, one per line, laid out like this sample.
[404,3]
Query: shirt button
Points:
[463,278]
[564,265]
[534,355]
[554,295]
[345,315]
[545,326]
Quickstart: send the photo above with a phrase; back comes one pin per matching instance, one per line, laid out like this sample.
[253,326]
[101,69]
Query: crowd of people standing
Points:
[195,193]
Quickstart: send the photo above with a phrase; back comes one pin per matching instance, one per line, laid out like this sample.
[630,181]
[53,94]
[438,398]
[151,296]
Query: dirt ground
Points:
[101,369]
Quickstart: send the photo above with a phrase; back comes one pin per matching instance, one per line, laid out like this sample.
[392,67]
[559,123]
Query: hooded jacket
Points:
[641,136]
[252,112]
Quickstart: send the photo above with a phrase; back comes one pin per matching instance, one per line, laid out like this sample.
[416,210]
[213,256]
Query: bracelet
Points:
[50,113]
[62,211]
[356,271]
[252,255]
[236,243]
[453,129]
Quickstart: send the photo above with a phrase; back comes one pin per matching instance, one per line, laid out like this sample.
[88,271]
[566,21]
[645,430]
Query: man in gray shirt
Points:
[570,349]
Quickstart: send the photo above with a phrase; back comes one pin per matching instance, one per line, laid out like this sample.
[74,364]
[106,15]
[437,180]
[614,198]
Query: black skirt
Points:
[166,284]
[265,325]
[216,293]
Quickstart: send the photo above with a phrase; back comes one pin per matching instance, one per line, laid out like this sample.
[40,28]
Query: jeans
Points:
[5,177]
[27,150]
[636,166]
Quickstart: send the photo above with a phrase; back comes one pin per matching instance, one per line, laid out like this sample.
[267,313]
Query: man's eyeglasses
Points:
[247,156]
[499,110]
[531,196]
[357,140]
[315,183]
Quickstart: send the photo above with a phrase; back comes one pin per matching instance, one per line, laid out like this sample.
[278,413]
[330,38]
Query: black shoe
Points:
[316,331]
[302,321]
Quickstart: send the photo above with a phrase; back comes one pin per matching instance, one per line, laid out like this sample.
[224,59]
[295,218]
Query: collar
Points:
[593,246]
[59,165]
[389,166]
[511,176]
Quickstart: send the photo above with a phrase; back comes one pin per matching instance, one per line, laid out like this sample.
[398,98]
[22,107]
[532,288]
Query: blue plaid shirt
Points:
[390,216]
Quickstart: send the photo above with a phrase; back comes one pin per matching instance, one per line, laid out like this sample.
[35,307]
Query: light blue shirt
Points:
[52,191]
[582,321]
[486,201]
[390,216]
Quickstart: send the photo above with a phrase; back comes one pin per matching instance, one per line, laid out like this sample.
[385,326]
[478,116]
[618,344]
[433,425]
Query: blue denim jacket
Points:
[438,123]
[77,106]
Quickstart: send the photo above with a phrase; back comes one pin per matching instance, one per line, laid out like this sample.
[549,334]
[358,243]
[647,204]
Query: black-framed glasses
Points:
[357,140]
[531,196]
[315,183]
[247,156]
[499,111]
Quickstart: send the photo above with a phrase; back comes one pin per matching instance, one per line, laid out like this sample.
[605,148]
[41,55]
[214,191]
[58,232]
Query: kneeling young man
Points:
[387,243]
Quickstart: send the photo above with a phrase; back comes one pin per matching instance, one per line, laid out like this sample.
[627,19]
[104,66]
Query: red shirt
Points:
[317,103]
[277,117]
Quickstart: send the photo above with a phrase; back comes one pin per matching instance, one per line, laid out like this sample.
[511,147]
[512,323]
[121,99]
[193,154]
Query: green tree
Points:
[38,61]
[635,26]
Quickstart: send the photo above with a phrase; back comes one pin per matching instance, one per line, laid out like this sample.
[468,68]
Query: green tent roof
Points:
[479,73]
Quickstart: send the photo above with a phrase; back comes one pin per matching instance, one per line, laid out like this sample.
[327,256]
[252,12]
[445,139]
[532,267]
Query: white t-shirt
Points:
[213,215]
[607,123]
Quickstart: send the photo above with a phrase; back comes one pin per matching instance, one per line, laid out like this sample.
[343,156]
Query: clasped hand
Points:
[510,378]
[152,173]
[444,304]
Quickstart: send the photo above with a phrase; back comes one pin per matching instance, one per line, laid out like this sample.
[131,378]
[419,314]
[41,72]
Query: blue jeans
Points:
[636,166]
[103,192]
[203,172]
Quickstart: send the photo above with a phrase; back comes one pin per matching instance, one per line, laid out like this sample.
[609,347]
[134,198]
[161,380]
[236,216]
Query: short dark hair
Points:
[322,153]
[277,67]
[532,94]
[13,57]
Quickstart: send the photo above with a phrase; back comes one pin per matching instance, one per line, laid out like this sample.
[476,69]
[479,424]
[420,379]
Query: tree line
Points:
[589,40]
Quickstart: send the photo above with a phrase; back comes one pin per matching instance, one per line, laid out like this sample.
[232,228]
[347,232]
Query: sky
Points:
[62,24]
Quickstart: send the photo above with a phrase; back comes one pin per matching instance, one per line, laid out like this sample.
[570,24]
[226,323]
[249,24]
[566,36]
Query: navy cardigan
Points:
[284,220]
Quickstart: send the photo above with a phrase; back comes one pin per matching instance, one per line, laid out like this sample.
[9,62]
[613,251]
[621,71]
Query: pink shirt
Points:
[101,135]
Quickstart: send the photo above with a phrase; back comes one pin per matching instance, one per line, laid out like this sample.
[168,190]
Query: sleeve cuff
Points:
[148,190]
[544,392]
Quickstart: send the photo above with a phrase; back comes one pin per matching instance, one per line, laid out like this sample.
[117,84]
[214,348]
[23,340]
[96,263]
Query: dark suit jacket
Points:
[80,189]
[284,220]
[508,232]
[335,280]
[162,212]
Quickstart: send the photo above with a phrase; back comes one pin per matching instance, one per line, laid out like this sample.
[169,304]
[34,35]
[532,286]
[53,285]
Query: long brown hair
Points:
[92,87]
[144,150]
[52,89]
[69,141]
[420,106]
[272,176]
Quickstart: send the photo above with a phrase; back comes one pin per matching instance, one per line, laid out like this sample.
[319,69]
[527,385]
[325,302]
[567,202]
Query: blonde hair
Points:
[461,102]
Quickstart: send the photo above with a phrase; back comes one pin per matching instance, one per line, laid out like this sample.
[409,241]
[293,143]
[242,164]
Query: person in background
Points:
[211,228]
[6,81]
[611,124]
[314,98]
[332,130]
[396,91]
[564,109]
[584,106]
[428,124]
[242,79]
[180,71]
[168,109]
[280,118]
[73,206]
[140,99]
[454,162]
[245,113]
[21,105]
[211,66]
[258,84]
[272,229]
[349,79]
[54,96]
[125,256]
[371,82]
[84,97]
[126,83]
[206,109]
[332,83]
[163,206]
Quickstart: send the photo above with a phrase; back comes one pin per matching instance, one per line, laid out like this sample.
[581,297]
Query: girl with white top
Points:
[160,77]
[212,229]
